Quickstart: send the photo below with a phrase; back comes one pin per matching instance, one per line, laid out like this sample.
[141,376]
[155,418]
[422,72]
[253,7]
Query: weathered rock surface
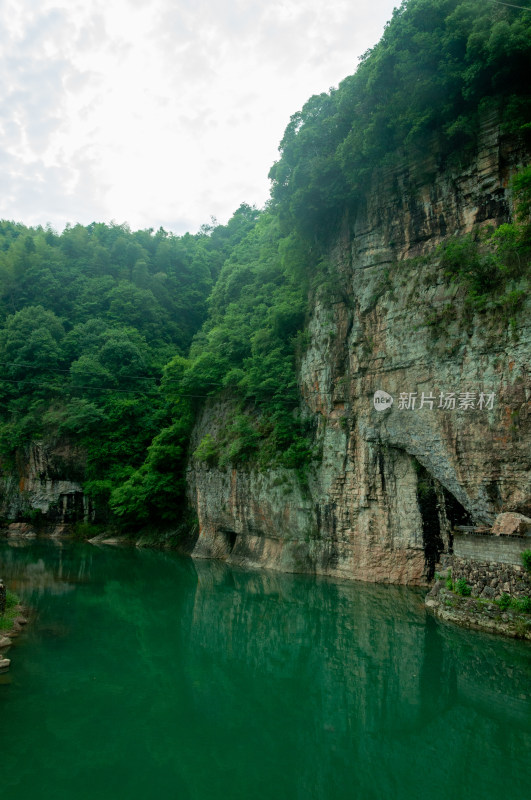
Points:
[511,524]
[380,503]
[47,479]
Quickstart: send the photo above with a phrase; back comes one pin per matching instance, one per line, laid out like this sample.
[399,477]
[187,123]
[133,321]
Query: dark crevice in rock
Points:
[431,525]
[381,468]
[327,528]
[455,512]
[494,495]
[230,539]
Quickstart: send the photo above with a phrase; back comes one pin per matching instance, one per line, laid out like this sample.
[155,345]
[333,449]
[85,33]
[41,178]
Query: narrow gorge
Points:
[335,384]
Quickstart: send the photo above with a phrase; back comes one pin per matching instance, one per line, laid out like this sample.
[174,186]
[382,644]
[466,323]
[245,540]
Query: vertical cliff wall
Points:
[45,485]
[454,444]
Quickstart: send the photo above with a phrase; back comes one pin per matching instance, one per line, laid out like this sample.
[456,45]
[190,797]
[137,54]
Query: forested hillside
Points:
[90,318]
[440,66]
[113,338]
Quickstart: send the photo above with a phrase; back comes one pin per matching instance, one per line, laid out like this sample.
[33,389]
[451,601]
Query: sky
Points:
[160,112]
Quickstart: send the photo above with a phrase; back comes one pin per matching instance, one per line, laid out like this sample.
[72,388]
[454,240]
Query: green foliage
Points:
[114,339]
[11,613]
[504,601]
[519,604]
[522,192]
[249,345]
[494,270]
[522,604]
[11,599]
[89,319]
[85,530]
[208,451]
[439,67]
[156,489]
[462,259]
[526,559]
[243,439]
[449,581]
[461,587]
[35,516]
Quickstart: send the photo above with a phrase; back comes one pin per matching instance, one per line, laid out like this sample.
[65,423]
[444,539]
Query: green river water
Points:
[148,675]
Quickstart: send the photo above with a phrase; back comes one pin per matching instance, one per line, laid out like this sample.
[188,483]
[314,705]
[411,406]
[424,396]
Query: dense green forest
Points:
[114,339]
[439,67]
[90,318]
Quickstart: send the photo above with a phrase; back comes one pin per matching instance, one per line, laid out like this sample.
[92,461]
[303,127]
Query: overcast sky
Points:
[160,112]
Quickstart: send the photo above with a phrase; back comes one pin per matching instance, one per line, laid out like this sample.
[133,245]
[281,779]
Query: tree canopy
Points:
[438,68]
[115,338]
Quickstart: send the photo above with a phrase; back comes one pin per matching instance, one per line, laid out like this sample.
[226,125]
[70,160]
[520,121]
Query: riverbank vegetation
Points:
[11,612]
[112,339]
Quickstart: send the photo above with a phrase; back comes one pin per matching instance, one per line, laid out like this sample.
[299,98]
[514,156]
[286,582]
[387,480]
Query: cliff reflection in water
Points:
[194,679]
[388,692]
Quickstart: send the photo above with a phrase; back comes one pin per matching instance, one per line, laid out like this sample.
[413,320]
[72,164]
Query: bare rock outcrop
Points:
[45,484]
[511,524]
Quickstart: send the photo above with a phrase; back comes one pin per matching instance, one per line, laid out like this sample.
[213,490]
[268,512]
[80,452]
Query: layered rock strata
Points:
[45,485]
[421,410]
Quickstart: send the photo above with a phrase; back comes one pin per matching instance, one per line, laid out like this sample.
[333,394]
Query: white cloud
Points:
[160,113]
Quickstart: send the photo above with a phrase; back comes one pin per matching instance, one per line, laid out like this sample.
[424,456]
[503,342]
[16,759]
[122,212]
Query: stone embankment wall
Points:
[486,547]
[478,613]
[489,579]
[484,583]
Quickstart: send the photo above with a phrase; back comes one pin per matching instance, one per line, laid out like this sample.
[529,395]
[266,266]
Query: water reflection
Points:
[162,676]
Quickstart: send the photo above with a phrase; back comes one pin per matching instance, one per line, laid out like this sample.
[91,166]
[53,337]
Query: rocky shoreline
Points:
[478,613]
[481,610]
[6,636]
[26,530]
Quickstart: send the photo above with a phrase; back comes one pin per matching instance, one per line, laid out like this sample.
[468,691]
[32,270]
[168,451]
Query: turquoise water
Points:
[146,675]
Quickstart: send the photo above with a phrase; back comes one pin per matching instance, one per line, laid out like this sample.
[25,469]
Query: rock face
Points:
[454,445]
[478,614]
[46,480]
[511,524]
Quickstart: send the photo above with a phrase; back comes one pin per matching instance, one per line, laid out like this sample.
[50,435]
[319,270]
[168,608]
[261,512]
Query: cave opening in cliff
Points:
[230,539]
[455,512]
[431,524]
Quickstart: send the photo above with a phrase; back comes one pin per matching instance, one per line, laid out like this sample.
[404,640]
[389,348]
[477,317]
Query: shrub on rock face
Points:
[504,602]
[524,604]
[208,451]
[462,588]
[526,559]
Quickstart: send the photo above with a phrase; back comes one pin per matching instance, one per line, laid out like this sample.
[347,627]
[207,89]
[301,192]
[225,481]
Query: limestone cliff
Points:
[379,503]
[47,479]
